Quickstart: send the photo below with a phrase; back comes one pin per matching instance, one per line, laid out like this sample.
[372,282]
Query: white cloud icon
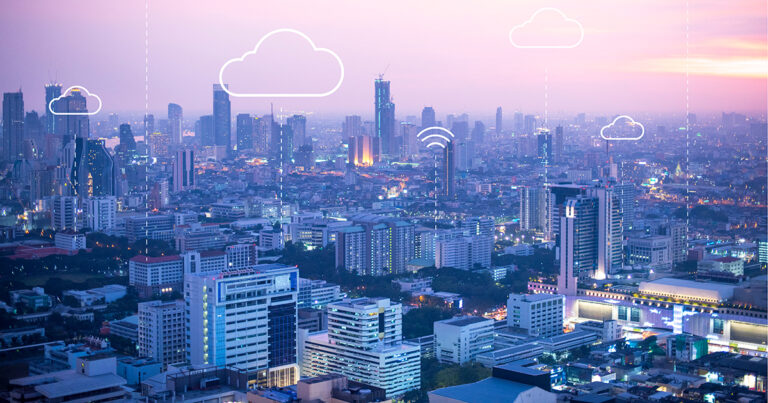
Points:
[518,32]
[69,91]
[281,95]
[630,124]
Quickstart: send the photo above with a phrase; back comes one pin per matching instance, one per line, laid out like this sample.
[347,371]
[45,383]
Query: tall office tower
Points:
[427,117]
[677,230]
[449,171]
[175,118]
[403,237]
[100,213]
[529,126]
[261,133]
[244,131]
[97,173]
[544,146]
[352,127]
[519,123]
[247,319]
[559,146]
[162,331]
[184,170]
[281,146]
[222,118]
[533,208]
[609,241]
[460,129]
[463,252]
[125,152]
[33,131]
[350,249]
[64,213]
[578,243]
[113,122]
[626,194]
[364,343]
[539,315]
[52,91]
[242,255]
[360,150]
[557,195]
[149,127]
[13,126]
[384,114]
[478,133]
[499,121]
[298,124]
[204,131]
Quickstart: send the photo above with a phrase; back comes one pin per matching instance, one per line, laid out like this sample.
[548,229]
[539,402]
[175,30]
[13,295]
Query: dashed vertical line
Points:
[546,96]
[687,120]
[146,131]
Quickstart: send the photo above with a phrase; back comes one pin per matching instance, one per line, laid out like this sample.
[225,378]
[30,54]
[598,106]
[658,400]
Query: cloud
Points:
[547,28]
[69,91]
[620,127]
[285,94]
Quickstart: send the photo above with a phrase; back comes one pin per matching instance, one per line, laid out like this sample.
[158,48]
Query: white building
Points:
[270,239]
[64,213]
[364,343]
[69,240]
[607,330]
[461,339]
[162,331]
[540,315]
[211,261]
[155,275]
[242,255]
[318,294]
[654,251]
[463,252]
[245,319]
[100,213]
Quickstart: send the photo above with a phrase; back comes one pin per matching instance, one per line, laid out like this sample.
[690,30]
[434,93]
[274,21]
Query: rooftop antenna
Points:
[381,75]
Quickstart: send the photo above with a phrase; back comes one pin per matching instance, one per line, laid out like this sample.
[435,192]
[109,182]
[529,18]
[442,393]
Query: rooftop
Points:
[487,390]
[465,320]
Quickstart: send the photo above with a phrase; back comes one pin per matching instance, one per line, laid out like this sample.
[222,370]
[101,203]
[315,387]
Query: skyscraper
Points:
[13,125]
[125,152]
[222,118]
[204,131]
[533,208]
[544,146]
[478,133]
[245,318]
[384,115]
[529,124]
[244,124]
[298,124]
[559,147]
[149,126]
[184,170]
[519,123]
[281,146]
[161,331]
[449,171]
[352,127]
[97,173]
[499,121]
[427,117]
[52,91]
[175,117]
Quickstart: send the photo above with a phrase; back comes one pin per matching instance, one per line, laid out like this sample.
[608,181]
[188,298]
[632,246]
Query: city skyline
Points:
[428,62]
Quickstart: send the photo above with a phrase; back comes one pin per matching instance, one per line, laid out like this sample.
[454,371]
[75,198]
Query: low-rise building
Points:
[461,339]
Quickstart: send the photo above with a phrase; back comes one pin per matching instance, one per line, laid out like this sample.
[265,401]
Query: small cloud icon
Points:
[307,68]
[75,89]
[547,28]
[623,128]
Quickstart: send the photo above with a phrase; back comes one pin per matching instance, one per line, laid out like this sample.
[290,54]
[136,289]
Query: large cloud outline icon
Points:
[281,95]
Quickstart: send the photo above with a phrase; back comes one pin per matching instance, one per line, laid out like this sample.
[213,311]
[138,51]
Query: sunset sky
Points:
[455,55]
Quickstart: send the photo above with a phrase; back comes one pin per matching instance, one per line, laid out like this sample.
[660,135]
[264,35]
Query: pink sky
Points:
[452,54]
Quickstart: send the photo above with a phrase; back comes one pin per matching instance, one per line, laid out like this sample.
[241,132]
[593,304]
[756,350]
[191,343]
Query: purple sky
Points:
[452,54]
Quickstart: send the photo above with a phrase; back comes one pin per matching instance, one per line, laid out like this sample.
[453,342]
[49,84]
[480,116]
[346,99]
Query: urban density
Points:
[180,222]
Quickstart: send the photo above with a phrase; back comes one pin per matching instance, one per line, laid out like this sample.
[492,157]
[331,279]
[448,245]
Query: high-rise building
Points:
[71,127]
[298,124]
[162,331]
[360,150]
[246,319]
[96,171]
[64,213]
[281,146]
[350,249]
[204,131]
[519,123]
[449,172]
[539,315]
[352,127]
[222,118]
[155,275]
[529,124]
[499,121]
[462,251]
[533,208]
[559,147]
[544,146]
[33,135]
[244,131]
[317,294]
[427,117]
[184,170]
[126,150]
[175,118]
[52,90]
[100,212]
[626,193]
[478,133]
[677,230]
[242,255]
[364,343]
[459,340]
[384,115]
[13,126]
[149,126]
